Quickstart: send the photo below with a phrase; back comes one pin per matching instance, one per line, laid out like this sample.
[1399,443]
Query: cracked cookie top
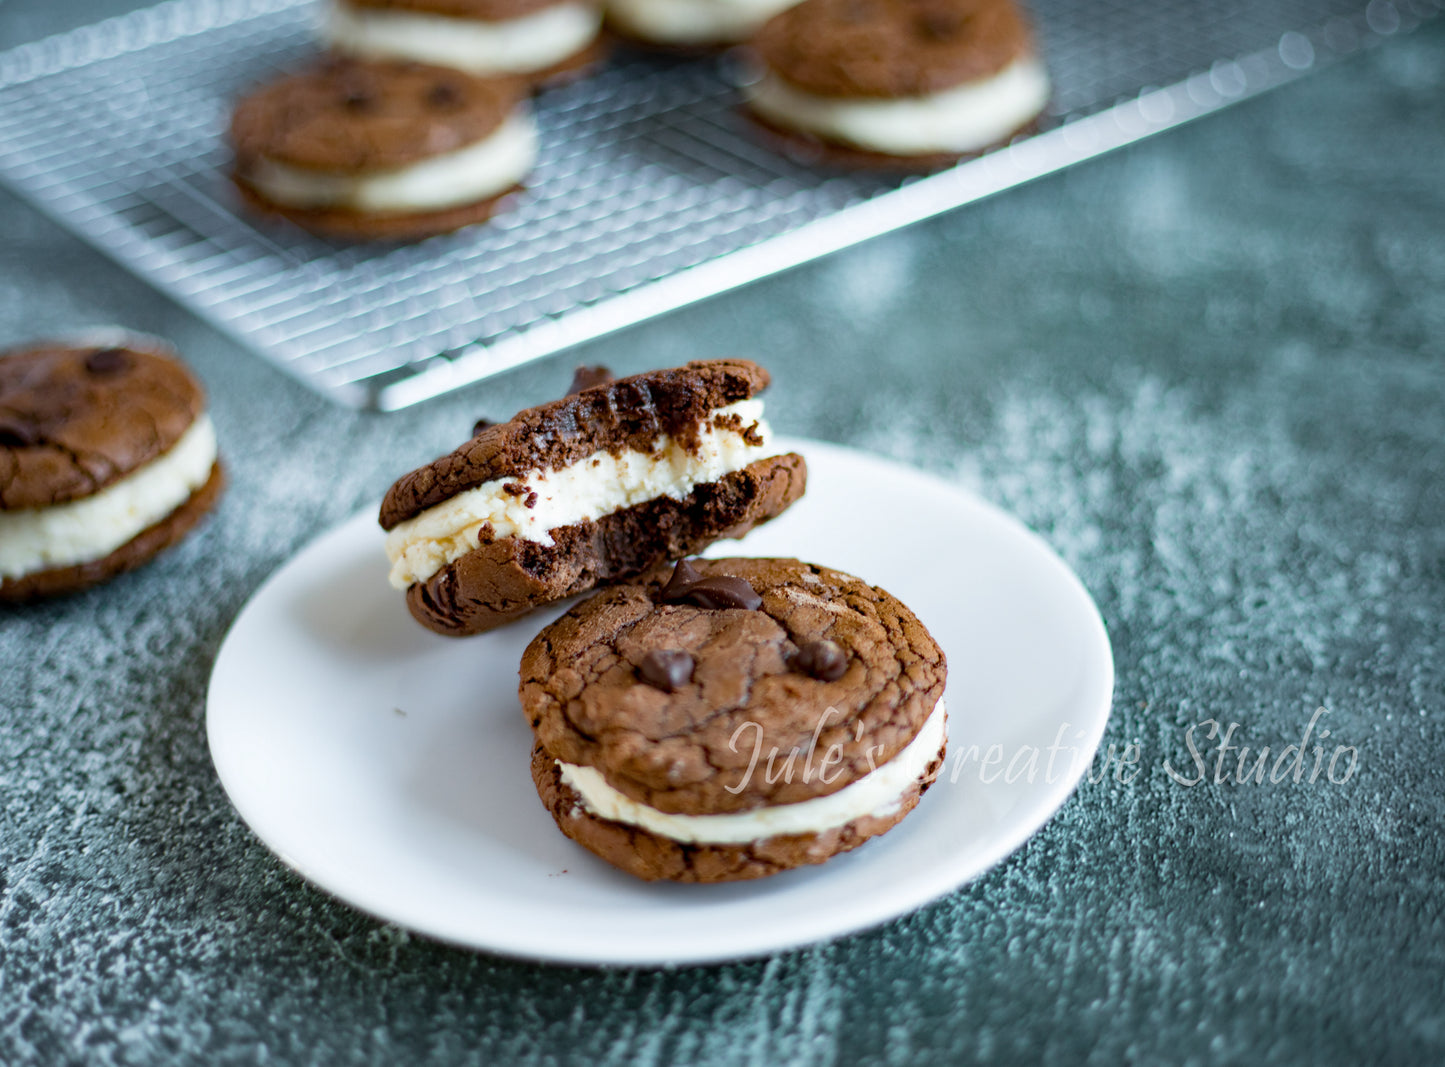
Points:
[612,416]
[690,700]
[76,418]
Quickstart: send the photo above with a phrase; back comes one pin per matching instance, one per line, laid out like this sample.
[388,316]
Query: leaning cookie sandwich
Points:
[594,488]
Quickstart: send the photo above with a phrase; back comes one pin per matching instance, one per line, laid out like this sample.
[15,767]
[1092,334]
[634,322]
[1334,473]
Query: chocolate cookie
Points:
[107,456]
[920,81]
[597,487]
[729,719]
[363,149]
[542,40]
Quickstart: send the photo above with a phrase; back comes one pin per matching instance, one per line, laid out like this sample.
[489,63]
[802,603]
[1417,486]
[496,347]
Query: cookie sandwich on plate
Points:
[728,719]
[597,487]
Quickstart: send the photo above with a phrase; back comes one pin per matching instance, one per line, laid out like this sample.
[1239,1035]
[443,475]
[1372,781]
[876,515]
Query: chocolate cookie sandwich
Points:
[107,456]
[691,25]
[543,40]
[614,478]
[915,83]
[732,718]
[397,151]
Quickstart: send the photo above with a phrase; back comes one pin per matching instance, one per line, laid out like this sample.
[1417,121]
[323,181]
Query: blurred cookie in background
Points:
[897,83]
[377,150]
[542,40]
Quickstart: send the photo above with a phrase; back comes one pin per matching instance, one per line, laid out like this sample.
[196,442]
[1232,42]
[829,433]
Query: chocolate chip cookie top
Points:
[890,48]
[626,413]
[486,10]
[77,418]
[597,693]
[351,116]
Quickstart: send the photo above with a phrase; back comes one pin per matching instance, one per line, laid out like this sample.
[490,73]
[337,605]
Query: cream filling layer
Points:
[476,172]
[508,46]
[694,22]
[41,539]
[879,793]
[962,119]
[588,489]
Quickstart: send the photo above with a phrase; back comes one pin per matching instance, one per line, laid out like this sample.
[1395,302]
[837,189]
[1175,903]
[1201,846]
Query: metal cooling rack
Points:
[650,192]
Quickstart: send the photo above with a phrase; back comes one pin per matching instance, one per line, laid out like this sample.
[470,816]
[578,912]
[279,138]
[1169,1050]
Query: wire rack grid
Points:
[651,190]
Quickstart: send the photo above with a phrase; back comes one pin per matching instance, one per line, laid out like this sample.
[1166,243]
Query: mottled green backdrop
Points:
[1209,369]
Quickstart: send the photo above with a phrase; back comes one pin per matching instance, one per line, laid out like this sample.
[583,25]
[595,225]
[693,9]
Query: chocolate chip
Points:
[443,95]
[823,660]
[713,592]
[16,434]
[106,361]
[724,591]
[587,377]
[683,575]
[480,425]
[668,669]
[357,99]
[939,24]
[514,489]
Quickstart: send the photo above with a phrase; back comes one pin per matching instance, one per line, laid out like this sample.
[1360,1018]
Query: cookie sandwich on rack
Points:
[542,40]
[374,150]
[614,478]
[896,83]
[733,718]
[690,25]
[107,456]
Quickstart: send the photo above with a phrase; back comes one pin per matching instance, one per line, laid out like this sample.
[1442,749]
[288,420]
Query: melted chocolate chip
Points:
[939,23]
[587,377]
[714,592]
[357,99]
[668,669]
[16,434]
[106,361]
[725,591]
[823,660]
[480,425]
[444,96]
[683,575]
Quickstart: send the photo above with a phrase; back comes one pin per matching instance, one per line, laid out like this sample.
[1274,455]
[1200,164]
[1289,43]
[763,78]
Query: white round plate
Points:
[390,766]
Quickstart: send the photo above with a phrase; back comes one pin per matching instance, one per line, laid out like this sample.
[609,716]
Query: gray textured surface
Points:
[1208,369]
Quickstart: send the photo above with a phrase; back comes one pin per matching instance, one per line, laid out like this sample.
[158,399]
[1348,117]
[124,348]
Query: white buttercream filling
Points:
[476,172]
[694,22]
[962,119]
[507,46]
[878,793]
[588,489]
[41,539]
